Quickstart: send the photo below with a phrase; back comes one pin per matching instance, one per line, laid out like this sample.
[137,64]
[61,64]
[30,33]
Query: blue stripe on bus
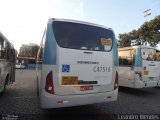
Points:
[50,51]
[115,52]
[138,59]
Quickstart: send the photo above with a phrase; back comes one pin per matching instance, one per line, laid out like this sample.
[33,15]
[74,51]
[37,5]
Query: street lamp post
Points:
[147,13]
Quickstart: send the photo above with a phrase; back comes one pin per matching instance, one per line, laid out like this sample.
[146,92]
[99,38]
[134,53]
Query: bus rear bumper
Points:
[144,84]
[55,101]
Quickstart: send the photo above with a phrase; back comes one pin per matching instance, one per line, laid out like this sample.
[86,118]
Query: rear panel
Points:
[84,58]
[85,70]
[150,65]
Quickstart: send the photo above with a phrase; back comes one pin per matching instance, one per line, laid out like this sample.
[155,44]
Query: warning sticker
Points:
[106,42]
[146,72]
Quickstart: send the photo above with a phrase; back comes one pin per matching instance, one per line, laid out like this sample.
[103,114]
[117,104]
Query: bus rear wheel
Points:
[4,86]
[4,89]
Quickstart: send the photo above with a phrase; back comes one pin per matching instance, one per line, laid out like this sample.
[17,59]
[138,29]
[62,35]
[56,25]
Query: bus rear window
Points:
[150,54]
[82,36]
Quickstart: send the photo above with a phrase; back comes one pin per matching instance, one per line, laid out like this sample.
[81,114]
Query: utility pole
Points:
[147,13]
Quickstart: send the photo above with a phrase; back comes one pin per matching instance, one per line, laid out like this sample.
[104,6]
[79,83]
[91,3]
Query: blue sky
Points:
[23,21]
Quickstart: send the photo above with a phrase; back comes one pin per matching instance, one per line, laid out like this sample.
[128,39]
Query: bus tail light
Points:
[49,83]
[116,81]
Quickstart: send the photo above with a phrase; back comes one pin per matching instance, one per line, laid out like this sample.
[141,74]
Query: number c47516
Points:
[102,69]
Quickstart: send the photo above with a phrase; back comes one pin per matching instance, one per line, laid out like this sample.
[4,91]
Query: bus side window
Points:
[2,48]
[126,61]
[126,58]
[41,49]
[8,48]
[158,56]
[40,56]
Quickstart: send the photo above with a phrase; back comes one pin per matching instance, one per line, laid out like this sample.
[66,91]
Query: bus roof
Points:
[77,21]
[135,47]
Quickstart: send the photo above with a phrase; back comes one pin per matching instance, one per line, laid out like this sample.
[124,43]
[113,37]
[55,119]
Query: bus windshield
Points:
[150,54]
[82,37]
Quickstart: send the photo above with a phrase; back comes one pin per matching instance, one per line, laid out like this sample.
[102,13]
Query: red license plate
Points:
[86,88]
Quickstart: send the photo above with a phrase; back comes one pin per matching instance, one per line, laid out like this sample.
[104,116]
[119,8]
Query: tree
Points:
[153,36]
[134,37]
[149,32]
[124,40]
[28,50]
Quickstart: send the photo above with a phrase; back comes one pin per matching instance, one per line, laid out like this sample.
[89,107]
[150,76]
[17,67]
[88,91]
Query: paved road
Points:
[21,101]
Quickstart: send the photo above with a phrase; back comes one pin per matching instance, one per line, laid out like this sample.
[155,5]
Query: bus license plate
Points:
[86,88]
[69,80]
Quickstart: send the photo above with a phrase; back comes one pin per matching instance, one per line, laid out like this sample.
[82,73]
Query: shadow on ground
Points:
[136,92]
[88,112]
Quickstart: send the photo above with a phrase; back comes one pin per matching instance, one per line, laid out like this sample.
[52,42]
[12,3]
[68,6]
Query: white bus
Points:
[79,61]
[139,67]
[7,63]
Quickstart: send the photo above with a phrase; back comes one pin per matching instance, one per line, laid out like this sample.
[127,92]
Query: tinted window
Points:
[125,61]
[126,58]
[3,51]
[150,54]
[81,36]
[41,49]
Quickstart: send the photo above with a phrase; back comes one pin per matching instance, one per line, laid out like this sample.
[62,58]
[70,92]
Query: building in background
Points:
[27,55]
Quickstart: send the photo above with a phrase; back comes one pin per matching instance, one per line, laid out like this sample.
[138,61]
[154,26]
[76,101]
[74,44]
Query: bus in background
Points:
[7,63]
[139,67]
[20,64]
[79,61]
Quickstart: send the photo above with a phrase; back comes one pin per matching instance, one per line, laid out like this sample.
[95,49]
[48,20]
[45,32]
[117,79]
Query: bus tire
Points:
[4,87]
[37,86]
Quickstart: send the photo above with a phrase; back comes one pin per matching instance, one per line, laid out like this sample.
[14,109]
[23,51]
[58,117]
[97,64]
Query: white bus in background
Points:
[139,67]
[20,64]
[7,63]
[79,62]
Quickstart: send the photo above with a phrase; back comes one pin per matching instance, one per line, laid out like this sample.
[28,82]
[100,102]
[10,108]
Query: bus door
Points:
[12,58]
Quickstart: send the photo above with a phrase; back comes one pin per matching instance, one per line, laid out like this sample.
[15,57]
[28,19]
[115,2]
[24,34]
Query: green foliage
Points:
[28,50]
[124,40]
[149,32]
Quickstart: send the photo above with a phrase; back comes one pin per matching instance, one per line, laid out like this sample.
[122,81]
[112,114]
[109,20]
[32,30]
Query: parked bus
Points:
[139,66]
[79,61]
[7,63]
